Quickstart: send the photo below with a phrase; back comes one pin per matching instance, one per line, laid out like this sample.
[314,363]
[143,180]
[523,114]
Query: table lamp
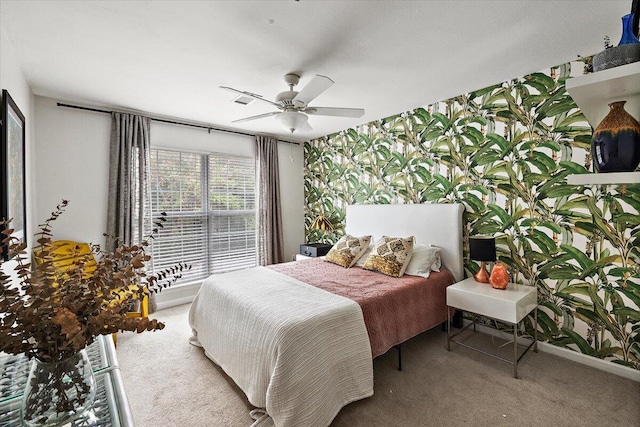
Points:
[322,223]
[482,249]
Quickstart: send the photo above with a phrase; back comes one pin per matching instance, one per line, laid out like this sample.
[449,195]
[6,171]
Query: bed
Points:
[296,337]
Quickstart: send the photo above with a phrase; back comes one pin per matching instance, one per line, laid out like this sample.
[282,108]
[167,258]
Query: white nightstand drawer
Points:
[509,305]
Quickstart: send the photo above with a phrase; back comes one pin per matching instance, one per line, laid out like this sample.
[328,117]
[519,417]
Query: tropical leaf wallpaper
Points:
[505,152]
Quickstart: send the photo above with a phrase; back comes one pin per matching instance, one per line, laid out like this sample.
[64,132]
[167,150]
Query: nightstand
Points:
[314,250]
[510,306]
[301,257]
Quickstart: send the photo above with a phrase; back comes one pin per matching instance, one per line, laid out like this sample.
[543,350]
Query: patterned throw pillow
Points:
[347,250]
[390,255]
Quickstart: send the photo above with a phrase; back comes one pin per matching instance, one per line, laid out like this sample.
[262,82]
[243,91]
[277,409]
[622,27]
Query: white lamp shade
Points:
[291,120]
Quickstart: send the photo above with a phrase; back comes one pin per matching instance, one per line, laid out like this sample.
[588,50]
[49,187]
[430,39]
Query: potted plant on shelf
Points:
[52,315]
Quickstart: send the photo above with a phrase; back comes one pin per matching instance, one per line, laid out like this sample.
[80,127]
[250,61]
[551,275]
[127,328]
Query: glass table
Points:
[110,406]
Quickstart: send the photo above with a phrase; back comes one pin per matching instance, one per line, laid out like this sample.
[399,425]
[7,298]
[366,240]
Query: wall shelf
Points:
[593,92]
[610,178]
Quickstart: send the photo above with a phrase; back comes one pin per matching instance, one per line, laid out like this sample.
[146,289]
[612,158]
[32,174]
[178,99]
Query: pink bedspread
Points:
[394,309]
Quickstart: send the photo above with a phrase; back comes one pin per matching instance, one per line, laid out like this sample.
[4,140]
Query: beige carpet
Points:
[172,383]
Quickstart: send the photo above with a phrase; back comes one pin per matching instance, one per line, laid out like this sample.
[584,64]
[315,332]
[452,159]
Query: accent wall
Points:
[505,152]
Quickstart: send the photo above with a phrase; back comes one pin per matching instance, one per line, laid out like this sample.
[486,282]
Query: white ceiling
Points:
[170,57]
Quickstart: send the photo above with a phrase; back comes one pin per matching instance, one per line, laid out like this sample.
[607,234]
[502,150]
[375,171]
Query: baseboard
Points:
[594,362]
[177,295]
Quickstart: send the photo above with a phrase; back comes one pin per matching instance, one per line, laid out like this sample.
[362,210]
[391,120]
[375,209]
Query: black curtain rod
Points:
[208,128]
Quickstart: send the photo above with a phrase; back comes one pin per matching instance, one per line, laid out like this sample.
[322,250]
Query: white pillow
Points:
[364,256]
[425,259]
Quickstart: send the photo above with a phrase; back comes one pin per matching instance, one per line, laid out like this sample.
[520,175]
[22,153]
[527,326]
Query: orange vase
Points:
[499,276]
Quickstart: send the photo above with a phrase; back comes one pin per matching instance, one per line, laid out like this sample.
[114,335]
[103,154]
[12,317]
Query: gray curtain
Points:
[128,172]
[129,160]
[270,240]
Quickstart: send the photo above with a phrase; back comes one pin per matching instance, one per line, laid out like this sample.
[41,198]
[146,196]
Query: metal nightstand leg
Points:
[533,344]
[535,330]
[515,350]
[448,331]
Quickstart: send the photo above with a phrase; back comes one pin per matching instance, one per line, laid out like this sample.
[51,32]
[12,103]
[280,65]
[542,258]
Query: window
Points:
[209,201]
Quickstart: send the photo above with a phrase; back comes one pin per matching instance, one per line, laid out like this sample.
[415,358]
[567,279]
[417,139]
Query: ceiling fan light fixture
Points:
[292,120]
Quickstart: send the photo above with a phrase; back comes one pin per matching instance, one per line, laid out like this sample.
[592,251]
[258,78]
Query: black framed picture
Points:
[12,176]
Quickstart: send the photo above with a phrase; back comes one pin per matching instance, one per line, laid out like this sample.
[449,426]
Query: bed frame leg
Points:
[457,319]
[399,348]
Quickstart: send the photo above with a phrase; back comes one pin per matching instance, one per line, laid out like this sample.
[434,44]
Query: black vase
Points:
[615,146]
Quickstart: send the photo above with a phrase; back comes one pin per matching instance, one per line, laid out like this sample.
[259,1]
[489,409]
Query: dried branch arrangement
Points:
[50,315]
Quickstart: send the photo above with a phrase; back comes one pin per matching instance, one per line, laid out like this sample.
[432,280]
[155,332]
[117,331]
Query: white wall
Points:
[71,161]
[292,194]
[14,81]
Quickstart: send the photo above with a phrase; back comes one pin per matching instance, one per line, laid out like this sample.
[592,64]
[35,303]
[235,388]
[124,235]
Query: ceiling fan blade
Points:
[259,116]
[315,87]
[249,94]
[334,111]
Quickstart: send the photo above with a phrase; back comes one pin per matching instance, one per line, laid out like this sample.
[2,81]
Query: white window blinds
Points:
[209,201]
[232,213]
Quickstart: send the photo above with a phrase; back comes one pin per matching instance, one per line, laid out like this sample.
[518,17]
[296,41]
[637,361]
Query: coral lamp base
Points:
[482,275]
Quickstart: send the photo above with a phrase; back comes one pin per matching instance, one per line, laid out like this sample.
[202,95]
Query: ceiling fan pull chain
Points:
[291,152]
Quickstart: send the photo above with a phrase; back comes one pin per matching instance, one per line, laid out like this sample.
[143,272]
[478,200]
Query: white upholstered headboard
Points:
[435,224]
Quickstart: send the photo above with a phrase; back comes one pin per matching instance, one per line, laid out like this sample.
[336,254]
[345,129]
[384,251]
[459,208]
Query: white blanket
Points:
[298,351]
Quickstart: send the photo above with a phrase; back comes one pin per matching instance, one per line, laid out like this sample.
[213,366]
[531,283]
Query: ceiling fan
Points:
[294,106]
